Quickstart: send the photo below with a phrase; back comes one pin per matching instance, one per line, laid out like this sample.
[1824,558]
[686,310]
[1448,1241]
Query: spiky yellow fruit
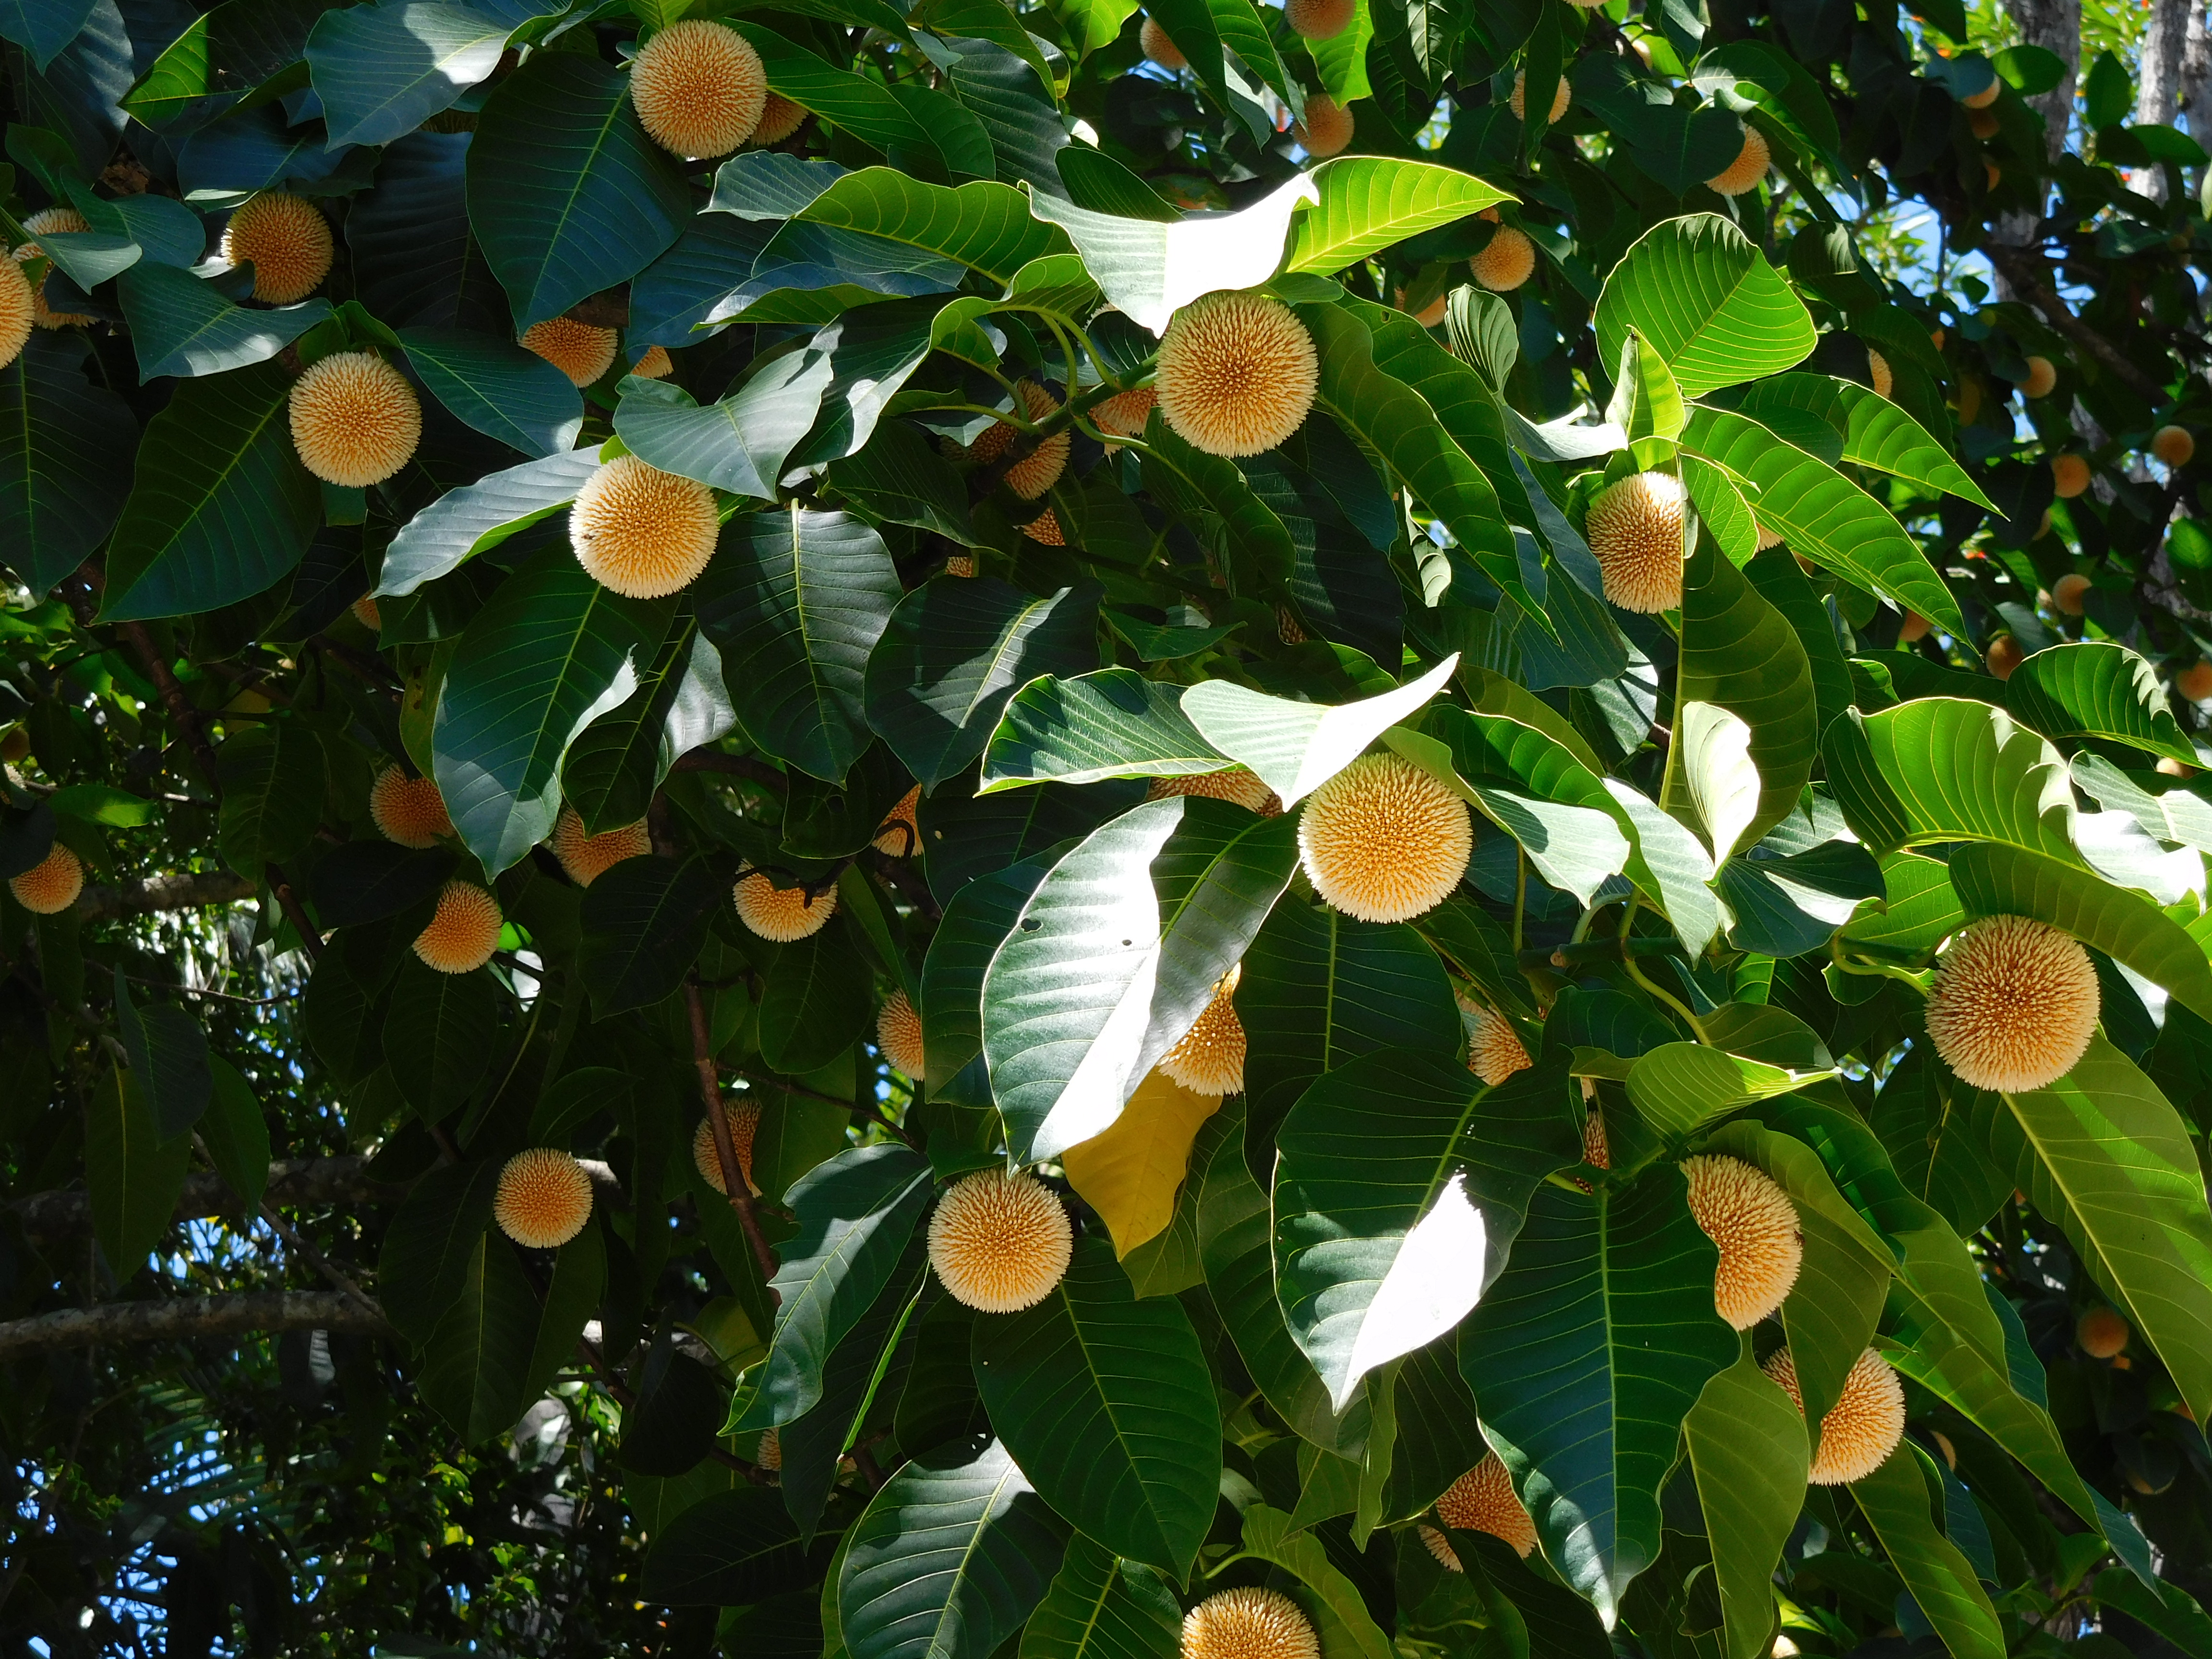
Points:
[579,350]
[463,930]
[2069,476]
[1209,1058]
[586,858]
[1236,373]
[408,810]
[1045,528]
[1384,841]
[1985,97]
[999,1242]
[65,221]
[898,1034]
[779,118]
[1159,48]
[1742,175]
[1124,414]
[655,365]
[1635,529]
[2070,592]
[1561,97]
[50,886]
[1481,1500]
[744,1124]
[1494,1049]
[19,311]
[699,88]
[1039,470]
[1878,373]
[1327,128]
[287,240]
[781,914]
[1236,783]
[1249,1622]
[960,564]
[543,1198]
[2101,1333]
[2174,445]
[354,419]
[1755,1225]
[1864,1425]
[1597,1151]
[1319,19]
[1507,260]
[2014,1004]
[899,834]
[2003,656]
[769,1453]
[366,613]
[2042,376]
[642,532]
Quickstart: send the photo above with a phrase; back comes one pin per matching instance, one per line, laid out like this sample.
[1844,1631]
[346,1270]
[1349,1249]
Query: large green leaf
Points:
[440,1036]
[1109,1403]
[611,771]
[641,924]
[431,1239]
[227,49]
[856,1212]
[61,439]
[495,386]
[43,29]
[1680,1085]
[182,324]
[947,1562]
[980,916]
[550,652]
[986,226]
[1296,747]
[1824,515]
[2101,1152]
[1251,542]
[132,1173]
[272,794]
[733,1547]
[168,1060]
[1401,1184]
[739,444]
[796,601]
[1112,724]
[1896,1501]
[567,195]
[477,1359]
[1869,430]
[1116,955]
[1369,202]
[1347,1630]
[1746,1445]
[819,999]
[1102,1606]
[1700,293]
[956,650]
[2095,689]
[1949,768]
[1586,1355]
[220,506]
[383,71]
[478,516]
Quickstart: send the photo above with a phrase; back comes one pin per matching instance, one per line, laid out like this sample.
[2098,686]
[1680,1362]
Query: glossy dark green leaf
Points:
[1101,1606]
[495,386]
[644,921]
[478,516]
[974,923]
[818,1000]
[1895,1501]
[382,71]
[182,324]
[734,1547]
[168,1055]
[60,438]
[236,1134]
[476,1360]
[429,1242]
[441,1036]
[1700,293]
[132,1173]
[1746,1445]
[273,777]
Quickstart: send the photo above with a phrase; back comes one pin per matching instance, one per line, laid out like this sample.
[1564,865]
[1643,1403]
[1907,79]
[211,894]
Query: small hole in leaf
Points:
[1031,924]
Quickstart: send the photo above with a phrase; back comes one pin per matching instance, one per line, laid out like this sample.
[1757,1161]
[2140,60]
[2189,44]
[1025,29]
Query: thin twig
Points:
[740,1189]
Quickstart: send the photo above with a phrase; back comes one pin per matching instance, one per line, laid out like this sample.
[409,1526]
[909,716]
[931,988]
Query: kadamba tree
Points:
[1059,830]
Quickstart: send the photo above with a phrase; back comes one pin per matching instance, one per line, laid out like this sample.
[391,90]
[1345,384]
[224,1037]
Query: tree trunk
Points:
[2196,90]
[185,1317]
[2056,26]
[2158,95]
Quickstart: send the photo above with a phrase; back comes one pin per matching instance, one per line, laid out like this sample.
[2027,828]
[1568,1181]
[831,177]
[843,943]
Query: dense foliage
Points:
[926,832]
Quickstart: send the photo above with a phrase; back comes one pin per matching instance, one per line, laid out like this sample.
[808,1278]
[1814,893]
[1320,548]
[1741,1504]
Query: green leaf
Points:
[1949,768]
[1109,1403]
[1347,1629]
[1252,541]
[168,1060]
[1680,1085]
[567,195]
[132,1173]
[497,387]
[220,507]
[2102,1153]
[980,916]
[383,71]
[863,107]
[440,1036]
[796,601]
[1746,1445]
[1401,1184]
[272,794]
[739,444]
[182,324]
[610,772]
[477,1359]
[985,226]
[899,478]
[225,51]
[1874,432]
[431,1241]
[1586,1355]
[643,922]
[2095,689]
[62,438]
[819,998]
[549,653]
[1296,747]
[734,1547]
[856,1212]
[237,1135]
[1369,202]
[1115,958]
[1896,1502]
[43,29]
[947,1561]
[1112,724]
[477,517]
[955,651]
[1824,515]
[1700,294]
[580,1279]
[1101,1606]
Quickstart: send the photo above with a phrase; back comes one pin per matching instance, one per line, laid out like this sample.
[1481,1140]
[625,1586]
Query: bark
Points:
[181,892]
[2196,87]
[2056,26]
[183,1318]
[2157,91]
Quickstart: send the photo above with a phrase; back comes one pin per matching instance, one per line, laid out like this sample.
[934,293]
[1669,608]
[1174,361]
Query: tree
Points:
[1334,830]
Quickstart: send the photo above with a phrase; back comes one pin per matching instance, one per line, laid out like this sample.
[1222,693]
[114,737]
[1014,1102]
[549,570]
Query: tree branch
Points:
[184,1318]
[177,892]
[2025,269]
[738,766]
[726,1150]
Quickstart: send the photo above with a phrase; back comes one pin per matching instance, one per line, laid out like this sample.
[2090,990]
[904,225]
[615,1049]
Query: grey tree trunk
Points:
[2158,93]
[2056,26]
[2196,91]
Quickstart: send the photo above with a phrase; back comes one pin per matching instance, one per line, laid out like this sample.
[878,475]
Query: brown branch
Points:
[295,912]
[173,1319]
[904,877]
[2026,270]
[178,892]
[734,1181]
[739,766]
[181,711]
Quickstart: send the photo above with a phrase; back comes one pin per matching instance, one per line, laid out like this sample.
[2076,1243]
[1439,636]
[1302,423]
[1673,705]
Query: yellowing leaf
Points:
[1130,1173]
